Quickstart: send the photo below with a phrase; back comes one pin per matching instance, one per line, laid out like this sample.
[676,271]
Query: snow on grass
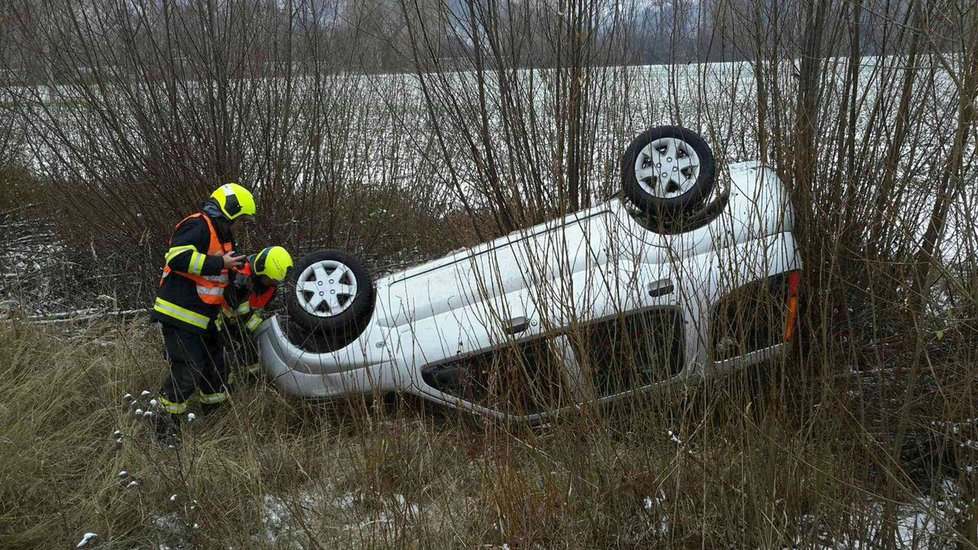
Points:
[173,528]
[284,517]
[926,523]
[86,539]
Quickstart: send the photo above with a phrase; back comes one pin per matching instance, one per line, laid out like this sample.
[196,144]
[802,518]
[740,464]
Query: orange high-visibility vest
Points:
[210,288]
[257,301]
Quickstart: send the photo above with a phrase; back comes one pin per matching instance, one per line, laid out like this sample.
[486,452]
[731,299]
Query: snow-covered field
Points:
[377,131]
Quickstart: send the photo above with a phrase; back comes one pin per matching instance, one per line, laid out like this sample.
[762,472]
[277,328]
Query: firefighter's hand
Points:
[232,261]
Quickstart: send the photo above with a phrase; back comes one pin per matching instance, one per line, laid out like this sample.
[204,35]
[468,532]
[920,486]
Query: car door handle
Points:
[516,325]
[660,288]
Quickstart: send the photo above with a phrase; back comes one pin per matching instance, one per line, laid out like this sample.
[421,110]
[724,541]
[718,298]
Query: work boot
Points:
[166,429]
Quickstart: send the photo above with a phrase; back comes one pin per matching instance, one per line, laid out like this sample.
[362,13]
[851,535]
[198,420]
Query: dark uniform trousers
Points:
[197,364]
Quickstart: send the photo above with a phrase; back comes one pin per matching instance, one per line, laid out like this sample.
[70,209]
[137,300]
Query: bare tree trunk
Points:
[805,156]
[950,183]
[878,232]
[760,80]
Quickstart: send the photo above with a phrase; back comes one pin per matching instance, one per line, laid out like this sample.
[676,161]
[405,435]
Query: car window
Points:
[630,351]
[517,377]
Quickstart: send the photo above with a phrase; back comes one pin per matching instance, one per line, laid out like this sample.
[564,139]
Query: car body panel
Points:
[588,266]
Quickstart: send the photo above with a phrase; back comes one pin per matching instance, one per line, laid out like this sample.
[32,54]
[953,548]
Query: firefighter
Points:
[189,302]
[251,290]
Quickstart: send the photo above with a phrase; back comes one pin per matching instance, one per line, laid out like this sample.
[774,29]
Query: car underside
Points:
[671,281]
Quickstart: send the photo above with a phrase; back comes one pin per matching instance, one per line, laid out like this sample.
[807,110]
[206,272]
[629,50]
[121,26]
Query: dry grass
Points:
[724,465]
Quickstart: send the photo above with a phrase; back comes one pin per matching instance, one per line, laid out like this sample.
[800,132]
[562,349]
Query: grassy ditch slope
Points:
[735,464]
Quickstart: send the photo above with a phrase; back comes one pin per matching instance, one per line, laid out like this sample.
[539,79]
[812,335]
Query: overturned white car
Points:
[672,280]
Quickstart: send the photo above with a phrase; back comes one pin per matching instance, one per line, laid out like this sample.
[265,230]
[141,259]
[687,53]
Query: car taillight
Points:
[794,279]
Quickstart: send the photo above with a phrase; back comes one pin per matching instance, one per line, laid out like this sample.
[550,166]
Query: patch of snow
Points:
[123,474]
[145,393]
[347,501]
[923,524]
[137,412]
[282,527]
[86,538]
[127,398]
[133,484]
[173,497]
[411,509]
[170,524]
[191,417]
[657,513]
[283,516]
[154,403]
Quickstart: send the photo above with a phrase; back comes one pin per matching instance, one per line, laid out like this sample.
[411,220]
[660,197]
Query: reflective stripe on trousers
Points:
[173,408]
[253,323]
[213,398]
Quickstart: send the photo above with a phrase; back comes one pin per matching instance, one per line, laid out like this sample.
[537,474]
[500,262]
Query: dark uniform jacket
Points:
[181,291]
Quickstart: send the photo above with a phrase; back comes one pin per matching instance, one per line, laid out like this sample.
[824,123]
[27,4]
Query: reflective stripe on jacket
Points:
[191,291]
[210,288]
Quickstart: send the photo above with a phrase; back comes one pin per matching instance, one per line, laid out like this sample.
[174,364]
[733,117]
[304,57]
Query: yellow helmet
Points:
[273,262]
[235,201]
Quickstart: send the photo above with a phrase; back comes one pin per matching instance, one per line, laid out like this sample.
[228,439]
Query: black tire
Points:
[351,321]
[686,202]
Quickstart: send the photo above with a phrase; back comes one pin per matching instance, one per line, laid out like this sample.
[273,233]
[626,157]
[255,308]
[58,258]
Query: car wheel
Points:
[330,293]
[668,170]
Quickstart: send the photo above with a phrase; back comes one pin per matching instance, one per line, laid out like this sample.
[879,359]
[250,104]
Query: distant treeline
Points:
[272,38]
